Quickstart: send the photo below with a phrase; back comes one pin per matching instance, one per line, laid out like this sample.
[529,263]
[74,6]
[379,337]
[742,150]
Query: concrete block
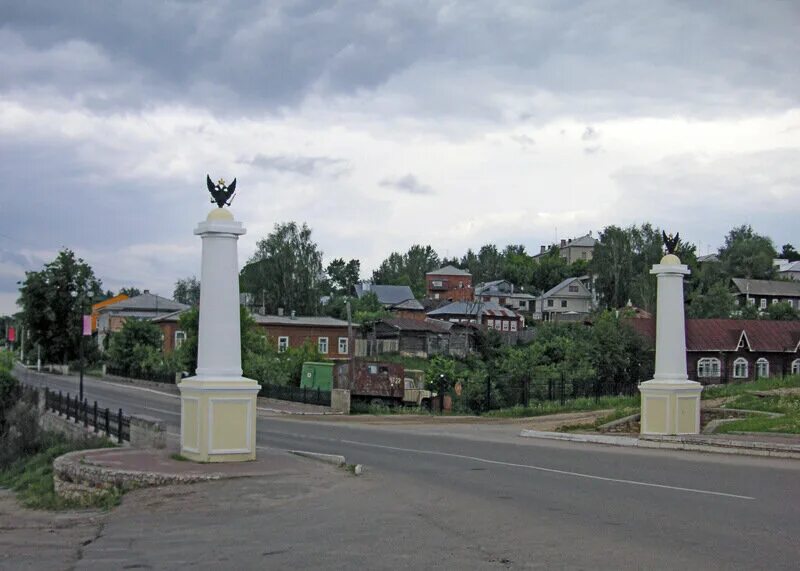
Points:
[148,432]
[340,401]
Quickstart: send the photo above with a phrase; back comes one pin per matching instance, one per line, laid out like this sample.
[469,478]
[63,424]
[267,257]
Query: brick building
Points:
[450,284]
[735,350]
[328,335]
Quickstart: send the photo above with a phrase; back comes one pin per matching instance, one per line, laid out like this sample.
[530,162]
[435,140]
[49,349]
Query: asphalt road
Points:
[495,499]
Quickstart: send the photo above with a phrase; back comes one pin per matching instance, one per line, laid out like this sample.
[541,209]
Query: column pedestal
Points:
[218,420]
[670,401]
[670,408]
[218,405]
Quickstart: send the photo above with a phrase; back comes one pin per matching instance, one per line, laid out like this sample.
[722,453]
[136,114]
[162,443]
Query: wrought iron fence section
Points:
[295,394]
[141,375]
[113,423]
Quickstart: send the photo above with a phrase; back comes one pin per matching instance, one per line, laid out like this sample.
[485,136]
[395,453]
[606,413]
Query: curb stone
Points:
[688,442]
[335,459]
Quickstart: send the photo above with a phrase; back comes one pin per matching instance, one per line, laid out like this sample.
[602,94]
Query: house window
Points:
[436,296]
[523,304]
[583,255]
[549,303]
[763,303]
[708,367]
[505,325]
[460,285]
[563,303]
[740,368]
[574,288]
[513,326]
[774,301]
[762,368]
[796,367]
[437,283]
[180,337]
[322,345]
[751,300]
[283,344]
[343,341]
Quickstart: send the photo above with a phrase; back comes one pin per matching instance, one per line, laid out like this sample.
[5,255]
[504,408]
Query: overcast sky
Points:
[383,124]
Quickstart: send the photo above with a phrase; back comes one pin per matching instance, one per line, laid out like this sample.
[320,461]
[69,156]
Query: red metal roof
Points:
[724,334]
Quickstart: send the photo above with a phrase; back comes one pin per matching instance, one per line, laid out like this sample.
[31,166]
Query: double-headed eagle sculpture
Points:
[671,242]
[221,193]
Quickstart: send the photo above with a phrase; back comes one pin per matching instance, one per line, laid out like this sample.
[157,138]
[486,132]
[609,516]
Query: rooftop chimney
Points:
[280,312]
[146,291]
[293,315]
[563,243]
[543,249]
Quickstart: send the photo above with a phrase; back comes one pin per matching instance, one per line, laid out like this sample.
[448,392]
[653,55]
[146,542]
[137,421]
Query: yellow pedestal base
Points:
[218,420]
[670,408]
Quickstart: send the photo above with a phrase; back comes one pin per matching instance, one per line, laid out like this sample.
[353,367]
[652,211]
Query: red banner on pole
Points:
[12,334]
[87,324]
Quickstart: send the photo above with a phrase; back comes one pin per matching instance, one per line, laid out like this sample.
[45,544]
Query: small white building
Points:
[570,300]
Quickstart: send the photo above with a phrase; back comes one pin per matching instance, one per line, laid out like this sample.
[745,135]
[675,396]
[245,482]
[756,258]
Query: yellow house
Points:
[100,304]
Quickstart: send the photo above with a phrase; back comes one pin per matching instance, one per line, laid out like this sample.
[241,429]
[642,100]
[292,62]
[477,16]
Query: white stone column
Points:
[670,401]
[218,405]
[219,344]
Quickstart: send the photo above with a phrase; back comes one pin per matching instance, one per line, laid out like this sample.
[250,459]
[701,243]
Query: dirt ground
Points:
[41,540]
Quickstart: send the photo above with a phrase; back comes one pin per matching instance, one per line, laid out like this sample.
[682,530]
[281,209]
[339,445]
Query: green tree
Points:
[53,301]
[187,290]
[789,253]
[749,311]
[407,269]
[287,270]
[130,291]
[781,311]
[549,270]
[135,346]
[343,276]
[747,254]
[716,302]
[612,264]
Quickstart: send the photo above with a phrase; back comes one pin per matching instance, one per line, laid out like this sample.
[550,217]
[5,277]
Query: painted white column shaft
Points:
[670,324]
[219,343]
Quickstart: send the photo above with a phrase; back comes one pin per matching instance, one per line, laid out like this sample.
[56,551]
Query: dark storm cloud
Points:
[306,166]
[245,56]
[408,184]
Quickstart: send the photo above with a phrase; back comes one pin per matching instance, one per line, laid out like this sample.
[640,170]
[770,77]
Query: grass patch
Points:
[177,456]
[788,405]
[612,416]
[382,409]
[32,477]
[733,389]
[541,408]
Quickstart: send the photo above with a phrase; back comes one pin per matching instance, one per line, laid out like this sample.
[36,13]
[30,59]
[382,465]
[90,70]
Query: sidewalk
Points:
[763,444]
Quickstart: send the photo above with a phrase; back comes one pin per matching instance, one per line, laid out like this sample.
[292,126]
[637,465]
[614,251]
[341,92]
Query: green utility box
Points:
[317,376]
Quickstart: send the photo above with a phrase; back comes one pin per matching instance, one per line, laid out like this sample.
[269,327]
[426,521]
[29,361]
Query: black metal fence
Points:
[113,424]
[498,392]
[296,394]
[142,375]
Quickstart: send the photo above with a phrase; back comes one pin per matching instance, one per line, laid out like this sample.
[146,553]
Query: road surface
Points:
[529,503]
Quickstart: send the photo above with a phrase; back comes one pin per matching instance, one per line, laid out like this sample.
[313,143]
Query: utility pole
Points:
[81,352]
[38,358]
[350,346]
[22,344]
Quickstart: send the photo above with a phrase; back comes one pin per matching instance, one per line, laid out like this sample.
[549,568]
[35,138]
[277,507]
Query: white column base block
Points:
[670,407]
[218,420]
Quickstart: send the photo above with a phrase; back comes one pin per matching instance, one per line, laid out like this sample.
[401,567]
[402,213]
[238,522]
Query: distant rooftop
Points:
[312,321]
[394,296]
[449,271]
[767,287]
[147,302]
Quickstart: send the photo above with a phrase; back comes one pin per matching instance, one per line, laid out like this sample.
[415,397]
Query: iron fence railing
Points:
[498,392]
[142,375]
[114,424]
[296,394]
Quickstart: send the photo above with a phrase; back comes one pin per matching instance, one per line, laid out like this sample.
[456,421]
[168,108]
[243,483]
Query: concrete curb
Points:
[298,413]
[581,437]
[335,459]
[690,442]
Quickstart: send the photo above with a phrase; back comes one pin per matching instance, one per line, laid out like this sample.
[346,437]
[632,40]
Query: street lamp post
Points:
[83,296]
